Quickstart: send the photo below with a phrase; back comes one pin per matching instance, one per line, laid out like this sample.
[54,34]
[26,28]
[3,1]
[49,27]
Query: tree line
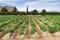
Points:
[4,11]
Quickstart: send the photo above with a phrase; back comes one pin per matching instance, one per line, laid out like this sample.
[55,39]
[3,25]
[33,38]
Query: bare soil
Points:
[35,36]
[57,34]
[46,36]
[38,30]
[3,31]
[6,37]
[18,37]
[27,31]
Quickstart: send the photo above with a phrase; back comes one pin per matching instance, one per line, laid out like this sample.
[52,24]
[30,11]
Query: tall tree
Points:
[43,11]
[4,9]
[35,12]
[27,9]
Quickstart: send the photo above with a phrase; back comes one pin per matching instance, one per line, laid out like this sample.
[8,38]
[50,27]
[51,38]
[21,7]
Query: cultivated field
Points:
[29,27]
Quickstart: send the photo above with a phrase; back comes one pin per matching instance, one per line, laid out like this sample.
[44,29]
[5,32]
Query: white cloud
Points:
[39,5]
[21,8]
[10,0]
[43,4]
[31,3]
[7,2]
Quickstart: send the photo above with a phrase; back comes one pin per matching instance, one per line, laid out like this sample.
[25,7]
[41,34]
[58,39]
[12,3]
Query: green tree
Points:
[43,12]
[35,12]
[4,9]
[27,9]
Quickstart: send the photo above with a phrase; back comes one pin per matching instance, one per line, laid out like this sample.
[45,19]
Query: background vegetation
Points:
[4,11]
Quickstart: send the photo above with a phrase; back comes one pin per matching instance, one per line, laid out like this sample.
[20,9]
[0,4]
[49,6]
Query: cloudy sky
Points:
[49,5]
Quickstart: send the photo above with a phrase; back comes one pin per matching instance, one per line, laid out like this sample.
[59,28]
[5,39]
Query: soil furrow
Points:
[27,34]
[39,31]
[45,26]
[3,32]
[13,35]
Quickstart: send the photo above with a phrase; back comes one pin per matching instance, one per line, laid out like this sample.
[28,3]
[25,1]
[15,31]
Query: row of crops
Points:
[52,22]
[9,24]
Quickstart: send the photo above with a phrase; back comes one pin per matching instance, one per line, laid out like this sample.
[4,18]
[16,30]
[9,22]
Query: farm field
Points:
[21,27]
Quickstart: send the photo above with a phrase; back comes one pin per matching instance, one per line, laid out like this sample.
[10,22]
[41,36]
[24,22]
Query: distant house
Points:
[9,8]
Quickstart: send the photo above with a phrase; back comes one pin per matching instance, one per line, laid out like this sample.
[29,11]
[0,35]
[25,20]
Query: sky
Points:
[49,5]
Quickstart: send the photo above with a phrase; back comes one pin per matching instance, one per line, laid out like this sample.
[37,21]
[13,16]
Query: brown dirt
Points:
[50,38]
[18,37]
[27,31]
[38,30]
[35,36]
[6,37]
[44,34]
[57,34]
[46,38]
[0,34]
[3,31]
[47,34]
